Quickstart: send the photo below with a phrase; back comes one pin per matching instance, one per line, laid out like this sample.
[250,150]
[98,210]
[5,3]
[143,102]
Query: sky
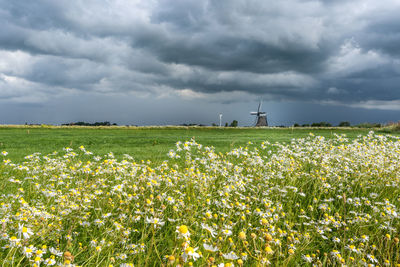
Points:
[170,62]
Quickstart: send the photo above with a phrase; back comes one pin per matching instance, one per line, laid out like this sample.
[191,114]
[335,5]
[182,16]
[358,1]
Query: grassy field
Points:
[144,143]
[319,200]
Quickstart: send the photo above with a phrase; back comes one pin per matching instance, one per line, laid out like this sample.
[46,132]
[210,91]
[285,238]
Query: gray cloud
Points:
[335,52]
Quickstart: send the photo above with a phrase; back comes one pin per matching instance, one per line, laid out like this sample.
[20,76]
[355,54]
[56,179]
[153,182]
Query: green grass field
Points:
[289,198]
[144,143]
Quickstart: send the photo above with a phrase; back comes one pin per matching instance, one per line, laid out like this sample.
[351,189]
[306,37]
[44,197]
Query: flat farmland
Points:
[145,143]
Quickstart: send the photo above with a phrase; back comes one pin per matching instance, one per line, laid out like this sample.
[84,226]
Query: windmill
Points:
[261,119]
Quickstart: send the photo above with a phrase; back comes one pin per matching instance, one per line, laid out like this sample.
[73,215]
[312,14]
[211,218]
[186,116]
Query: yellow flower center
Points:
[183,229]
[242,235]
[269,250]
[189,249]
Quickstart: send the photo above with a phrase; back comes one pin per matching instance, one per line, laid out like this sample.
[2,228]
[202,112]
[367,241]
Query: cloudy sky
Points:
[148,62]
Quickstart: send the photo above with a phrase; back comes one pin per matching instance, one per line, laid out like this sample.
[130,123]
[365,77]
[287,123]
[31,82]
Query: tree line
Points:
[82,123]
[341,124]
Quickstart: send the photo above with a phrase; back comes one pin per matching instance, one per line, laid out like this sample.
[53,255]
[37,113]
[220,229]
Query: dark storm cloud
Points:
[235,35]
[334,51]
[384,34]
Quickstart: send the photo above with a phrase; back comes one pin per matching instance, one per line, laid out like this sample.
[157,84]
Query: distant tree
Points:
[234,123]
[344,124]
[81,123]
[226,124]
[296,125]
[305,125]
[213,124]
[106,123]
[369,125]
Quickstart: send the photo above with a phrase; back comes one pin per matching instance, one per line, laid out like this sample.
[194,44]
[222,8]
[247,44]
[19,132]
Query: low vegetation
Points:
[311,201]
[82,123]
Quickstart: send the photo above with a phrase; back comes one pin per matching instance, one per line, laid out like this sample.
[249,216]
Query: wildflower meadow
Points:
[314,201]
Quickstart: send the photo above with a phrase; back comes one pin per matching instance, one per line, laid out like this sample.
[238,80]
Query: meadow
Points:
[146,143]
[201,197]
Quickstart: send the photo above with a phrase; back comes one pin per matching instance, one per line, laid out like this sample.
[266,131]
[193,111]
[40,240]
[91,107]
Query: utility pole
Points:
[220,120]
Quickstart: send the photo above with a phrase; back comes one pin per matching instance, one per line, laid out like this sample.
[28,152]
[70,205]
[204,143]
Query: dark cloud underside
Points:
[335,52]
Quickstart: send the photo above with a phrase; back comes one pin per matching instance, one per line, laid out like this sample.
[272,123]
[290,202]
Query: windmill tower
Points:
[261,117]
